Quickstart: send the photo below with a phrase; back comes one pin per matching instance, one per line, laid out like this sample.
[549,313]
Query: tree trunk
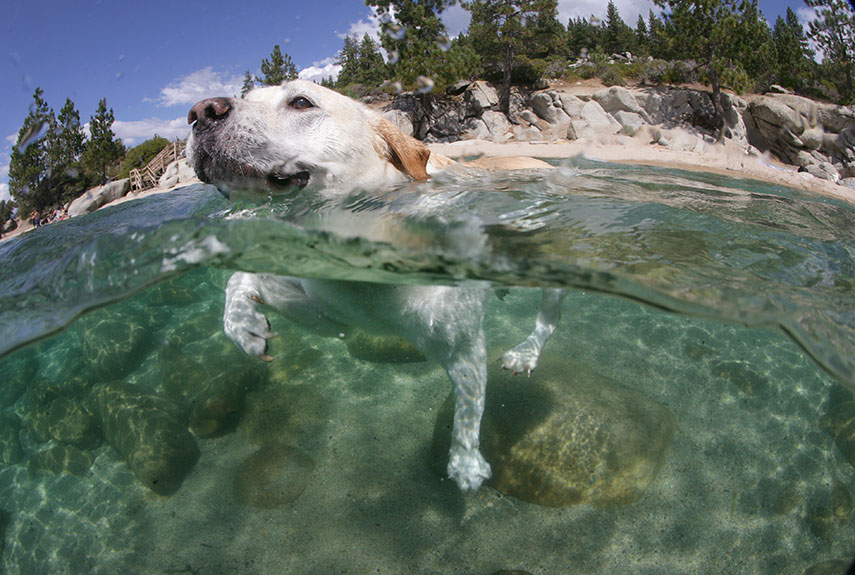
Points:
[718,109]
[505,96]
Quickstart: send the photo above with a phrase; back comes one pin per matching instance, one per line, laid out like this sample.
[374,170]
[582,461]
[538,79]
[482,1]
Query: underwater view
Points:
[692,413]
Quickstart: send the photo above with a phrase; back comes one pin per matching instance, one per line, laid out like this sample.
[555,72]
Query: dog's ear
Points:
[407,154]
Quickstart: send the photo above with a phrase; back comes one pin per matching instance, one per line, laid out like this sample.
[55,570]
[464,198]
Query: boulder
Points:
[566,435]
[497,124]
[478,97]
[572,105]
[177,172]
[115,343]
[630,121]
[401,120]
[147,431]
[93,199]
[594,121]
[476,129]
[64,419]
[59,459]
[10,444]
[619,99]
[548,106]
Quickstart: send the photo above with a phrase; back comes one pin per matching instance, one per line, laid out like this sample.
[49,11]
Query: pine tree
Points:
[545,34]
[29,171]
[248,84]
[278,69]
[755,49]
[834,33]
[6,207]
[102,149]
[582,36]
[708,32]
[618,37]
[348,59]
[794,56]
[413,35]
[499,32]
[371,65]
[642,44]
[66,143]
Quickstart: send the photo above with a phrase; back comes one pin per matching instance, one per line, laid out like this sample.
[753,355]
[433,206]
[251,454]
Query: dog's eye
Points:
[301,103]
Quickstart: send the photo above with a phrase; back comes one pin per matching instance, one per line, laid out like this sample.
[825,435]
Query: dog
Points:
[301,138]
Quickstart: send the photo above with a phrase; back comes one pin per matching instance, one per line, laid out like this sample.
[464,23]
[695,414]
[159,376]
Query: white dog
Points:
[301,137]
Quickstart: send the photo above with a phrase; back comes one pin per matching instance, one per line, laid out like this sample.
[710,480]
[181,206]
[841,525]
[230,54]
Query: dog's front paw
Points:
[468,468]
[521,359]
[246,326]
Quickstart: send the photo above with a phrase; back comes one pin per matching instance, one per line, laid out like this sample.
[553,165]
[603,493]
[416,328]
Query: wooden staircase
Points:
[148,176]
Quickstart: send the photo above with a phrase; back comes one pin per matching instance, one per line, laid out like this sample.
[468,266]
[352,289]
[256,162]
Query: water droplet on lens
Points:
[396,31]
[398,87]
[393,57]
[444,42]
[424,84]
[35,133]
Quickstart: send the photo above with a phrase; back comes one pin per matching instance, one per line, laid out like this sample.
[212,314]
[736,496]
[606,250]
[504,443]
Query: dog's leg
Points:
[247,326]
[523,358]
[468,373]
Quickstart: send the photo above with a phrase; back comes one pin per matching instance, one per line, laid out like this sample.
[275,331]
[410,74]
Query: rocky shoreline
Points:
[811,137]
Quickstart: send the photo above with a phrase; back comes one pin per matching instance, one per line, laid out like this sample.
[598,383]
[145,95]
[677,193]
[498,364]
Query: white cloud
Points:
[326,68]
[198,85]
[628,9]
[138,131]
[363,27]
[4,174]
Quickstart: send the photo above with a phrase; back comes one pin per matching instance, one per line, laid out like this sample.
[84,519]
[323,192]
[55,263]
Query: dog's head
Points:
[295,136]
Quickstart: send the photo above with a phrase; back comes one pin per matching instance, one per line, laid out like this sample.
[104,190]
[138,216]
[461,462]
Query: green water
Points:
[726,303]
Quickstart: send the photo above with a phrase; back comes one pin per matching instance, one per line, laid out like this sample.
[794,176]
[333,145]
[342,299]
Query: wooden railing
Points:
[148,176]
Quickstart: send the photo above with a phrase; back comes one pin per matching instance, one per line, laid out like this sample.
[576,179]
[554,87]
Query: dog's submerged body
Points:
[303,138]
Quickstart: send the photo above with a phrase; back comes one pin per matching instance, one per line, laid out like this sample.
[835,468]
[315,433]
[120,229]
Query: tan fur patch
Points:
[404,152]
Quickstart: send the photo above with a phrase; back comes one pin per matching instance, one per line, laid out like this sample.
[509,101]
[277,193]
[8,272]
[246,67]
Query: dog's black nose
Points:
[209,111]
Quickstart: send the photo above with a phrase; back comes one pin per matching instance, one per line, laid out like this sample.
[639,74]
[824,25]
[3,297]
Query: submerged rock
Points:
[148,433]
[57,413]
[114,343]
[211,391]
[825,510]
[10,444]
[838,421]
[566,435]
[19,371]
[273,476]
[60,459]
[381,349]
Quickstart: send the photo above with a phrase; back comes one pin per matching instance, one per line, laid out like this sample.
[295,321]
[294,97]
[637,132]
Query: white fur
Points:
[343,145]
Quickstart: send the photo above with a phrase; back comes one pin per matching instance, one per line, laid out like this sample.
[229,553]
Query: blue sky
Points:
[152,60]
